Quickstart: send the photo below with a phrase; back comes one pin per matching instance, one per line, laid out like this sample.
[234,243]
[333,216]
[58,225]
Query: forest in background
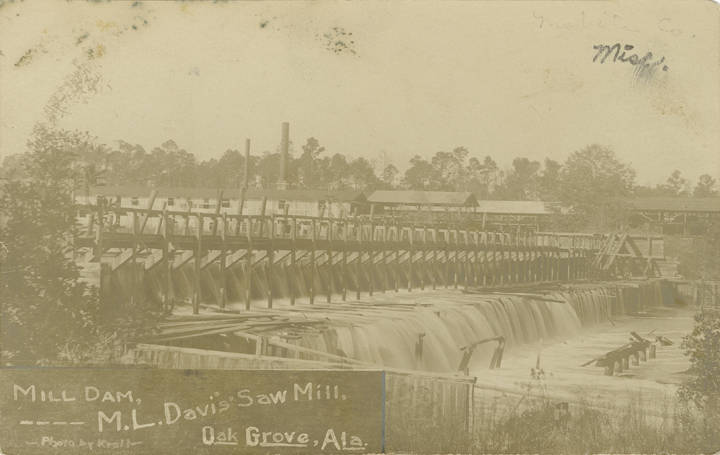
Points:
[315,167]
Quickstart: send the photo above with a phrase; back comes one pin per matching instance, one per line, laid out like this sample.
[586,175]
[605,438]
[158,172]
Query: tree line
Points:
[314,167]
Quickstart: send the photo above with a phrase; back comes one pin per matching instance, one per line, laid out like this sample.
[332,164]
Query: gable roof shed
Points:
[423,198]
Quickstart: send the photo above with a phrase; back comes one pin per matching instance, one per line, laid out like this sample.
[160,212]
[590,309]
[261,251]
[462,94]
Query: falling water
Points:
[390,337]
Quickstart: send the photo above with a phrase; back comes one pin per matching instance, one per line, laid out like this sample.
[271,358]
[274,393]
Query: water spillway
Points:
[429,336]
[426,330]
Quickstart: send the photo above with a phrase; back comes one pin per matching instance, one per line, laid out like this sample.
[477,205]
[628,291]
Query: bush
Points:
[49,315]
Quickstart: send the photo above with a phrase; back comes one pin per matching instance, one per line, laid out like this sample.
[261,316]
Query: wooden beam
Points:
[271,258]
[223,254]
[248,265]
[293,265]
[358,264]
[241,205]
[217,211]
[344,271]
[312,265]
[151,202]
[169,297]
[197,291]
[329,267]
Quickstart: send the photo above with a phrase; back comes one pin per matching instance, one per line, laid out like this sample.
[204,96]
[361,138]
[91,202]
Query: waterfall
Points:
[451,321]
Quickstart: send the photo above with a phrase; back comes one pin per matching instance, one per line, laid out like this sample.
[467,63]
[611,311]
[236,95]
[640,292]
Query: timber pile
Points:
[183,327]
[638,349]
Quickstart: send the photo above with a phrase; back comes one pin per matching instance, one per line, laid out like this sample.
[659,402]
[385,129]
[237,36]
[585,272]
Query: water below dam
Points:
[565,325]
[417,338]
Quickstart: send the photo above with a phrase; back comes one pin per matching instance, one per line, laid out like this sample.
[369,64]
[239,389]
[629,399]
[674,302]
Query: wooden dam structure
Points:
[211,259]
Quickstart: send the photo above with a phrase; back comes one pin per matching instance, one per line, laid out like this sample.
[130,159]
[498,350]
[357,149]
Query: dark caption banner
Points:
[69,410]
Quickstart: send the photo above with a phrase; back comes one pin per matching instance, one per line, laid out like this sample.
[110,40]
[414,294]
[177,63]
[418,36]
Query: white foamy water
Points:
[386,330]
[654,382]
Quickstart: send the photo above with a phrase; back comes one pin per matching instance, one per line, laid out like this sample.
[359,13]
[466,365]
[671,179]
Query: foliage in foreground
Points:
[703,348]
[49,314]
[539,428]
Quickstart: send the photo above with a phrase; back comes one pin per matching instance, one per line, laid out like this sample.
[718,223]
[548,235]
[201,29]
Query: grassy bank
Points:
[540,425]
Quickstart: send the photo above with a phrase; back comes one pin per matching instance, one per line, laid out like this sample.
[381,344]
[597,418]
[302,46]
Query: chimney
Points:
[284,146]
[246,175]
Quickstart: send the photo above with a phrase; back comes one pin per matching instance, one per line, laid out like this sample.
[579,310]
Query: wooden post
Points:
[467,263]
[217,212]
[263,207]
[151,202]
[312,264]
[270,263]
[98,249]
[169,300]
[557,258]
[344,258]
[329,252]
[498,256]
[507,253]
[187,217]
[433,276]
[396,270]
[456,262]
[609,368]
[248,264]
[485,268]
[546,265]
[571,259]
[358,262]
[293,266]
[424,259]
[447,257]
[527,258]
[371,255]
[133,260]
[223,254]
[241,205]
[477,269]
[516,265]
[386,279]
[197,291]
[411,253]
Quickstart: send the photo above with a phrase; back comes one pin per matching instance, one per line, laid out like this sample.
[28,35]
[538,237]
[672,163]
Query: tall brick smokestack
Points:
[284,156]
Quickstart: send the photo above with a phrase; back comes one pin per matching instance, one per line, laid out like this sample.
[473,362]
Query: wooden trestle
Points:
[216,258]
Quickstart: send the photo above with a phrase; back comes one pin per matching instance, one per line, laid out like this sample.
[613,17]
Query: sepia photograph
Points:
[359,227]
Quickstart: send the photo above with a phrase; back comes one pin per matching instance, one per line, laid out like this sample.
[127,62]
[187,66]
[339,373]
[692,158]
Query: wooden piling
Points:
[169,300]
[197,290]
[411,253]
[329,252]
[386,278]
[223,255]
[312,264]
[248,264]
[293,265]
[358,262]
[396,269]
[423,257]
[344,259]
[270,261]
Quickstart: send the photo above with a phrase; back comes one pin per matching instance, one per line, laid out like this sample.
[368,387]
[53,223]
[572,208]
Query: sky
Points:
[383,80]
